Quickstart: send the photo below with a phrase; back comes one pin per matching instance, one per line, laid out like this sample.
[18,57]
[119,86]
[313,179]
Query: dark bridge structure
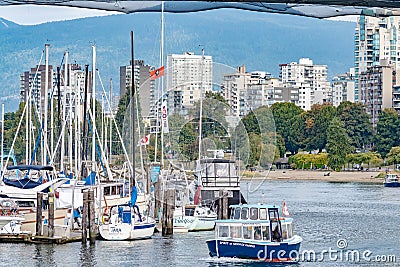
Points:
[308,8]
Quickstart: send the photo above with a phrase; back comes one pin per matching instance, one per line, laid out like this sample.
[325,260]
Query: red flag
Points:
[144,141]
[154,74]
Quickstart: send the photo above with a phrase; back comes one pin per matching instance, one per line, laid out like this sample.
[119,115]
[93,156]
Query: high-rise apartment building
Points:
[376,40]
[32,83]
[311,80]
[246,91]
[187,76]
[376,90]
[343,88]
[145,88]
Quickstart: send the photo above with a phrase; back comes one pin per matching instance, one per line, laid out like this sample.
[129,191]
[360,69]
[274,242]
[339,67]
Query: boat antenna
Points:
[262,198]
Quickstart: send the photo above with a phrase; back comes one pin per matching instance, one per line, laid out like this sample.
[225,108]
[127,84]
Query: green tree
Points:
[301,127]
[370,158]
[284,115]
[256,140]
[387,131]
[338,144]
[321,116]
[357,124]
[393,157]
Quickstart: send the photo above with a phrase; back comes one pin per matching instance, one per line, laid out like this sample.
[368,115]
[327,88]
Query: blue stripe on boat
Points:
[144,226]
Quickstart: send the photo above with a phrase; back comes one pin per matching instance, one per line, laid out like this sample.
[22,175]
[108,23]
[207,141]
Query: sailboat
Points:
[125,222]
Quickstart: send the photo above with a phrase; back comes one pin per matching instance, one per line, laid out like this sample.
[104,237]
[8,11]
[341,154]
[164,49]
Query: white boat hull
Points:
[193,223]
[10,224]
[125,231]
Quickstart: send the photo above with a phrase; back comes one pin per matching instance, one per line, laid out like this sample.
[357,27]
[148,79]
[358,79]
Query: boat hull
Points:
[125,231]
[393,184]
[275,252]
[193,223]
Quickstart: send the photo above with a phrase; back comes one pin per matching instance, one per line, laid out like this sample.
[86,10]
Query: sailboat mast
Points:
[84,133]
[200,114]
[162,79]
[51,124]
[64,115]
[59,113]
[133,144]
[160,102]
[111,118]
[94,109]
[46,103]
[76,124]
[70,118]
[2,137]
[26,133]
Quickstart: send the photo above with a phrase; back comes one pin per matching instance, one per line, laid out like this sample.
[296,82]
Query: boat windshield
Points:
[223,231]
[257,233]
[263,214]
[237,214]
[254,213]
[265,232]
[236,231]
[243,214]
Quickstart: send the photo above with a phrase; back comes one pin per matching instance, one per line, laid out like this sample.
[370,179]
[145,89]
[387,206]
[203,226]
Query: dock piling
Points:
[168,213]
[51,215]
[39,202]
[92,217]
[85,216]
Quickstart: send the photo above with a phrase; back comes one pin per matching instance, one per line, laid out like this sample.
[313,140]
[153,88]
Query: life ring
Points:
[105,216]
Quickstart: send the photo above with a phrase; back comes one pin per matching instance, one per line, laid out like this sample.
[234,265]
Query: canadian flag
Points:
[145,140]
[285,210]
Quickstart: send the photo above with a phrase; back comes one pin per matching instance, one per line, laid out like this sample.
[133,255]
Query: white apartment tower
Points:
[309,78]
[187,75]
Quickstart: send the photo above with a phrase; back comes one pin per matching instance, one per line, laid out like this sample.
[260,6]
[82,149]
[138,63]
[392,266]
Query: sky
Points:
[31,15]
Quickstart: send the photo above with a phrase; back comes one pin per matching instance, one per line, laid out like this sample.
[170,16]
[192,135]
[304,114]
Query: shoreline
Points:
[307,175]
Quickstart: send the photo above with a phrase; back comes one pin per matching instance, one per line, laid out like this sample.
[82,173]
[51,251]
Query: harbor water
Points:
[343,218]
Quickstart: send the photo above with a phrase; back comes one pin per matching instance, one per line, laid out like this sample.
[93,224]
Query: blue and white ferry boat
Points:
[255,232]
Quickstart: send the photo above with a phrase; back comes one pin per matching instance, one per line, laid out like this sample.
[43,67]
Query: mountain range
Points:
[232,37]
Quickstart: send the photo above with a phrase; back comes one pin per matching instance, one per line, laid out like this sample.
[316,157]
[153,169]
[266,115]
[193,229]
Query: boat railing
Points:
[221,181]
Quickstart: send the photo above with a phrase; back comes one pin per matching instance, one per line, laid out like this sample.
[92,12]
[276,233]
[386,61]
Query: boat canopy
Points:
[30,167]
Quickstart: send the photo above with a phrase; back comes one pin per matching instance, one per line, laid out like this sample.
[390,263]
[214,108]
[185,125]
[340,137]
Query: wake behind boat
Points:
[255,232]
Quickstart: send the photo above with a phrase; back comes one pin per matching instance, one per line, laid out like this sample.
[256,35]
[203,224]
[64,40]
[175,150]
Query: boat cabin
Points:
[219,174]
[255,222]
[392,178]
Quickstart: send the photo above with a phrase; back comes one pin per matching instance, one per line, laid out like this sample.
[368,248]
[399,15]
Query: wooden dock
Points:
[75,236]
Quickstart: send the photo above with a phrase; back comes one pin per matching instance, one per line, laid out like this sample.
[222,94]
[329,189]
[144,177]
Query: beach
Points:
[328,176]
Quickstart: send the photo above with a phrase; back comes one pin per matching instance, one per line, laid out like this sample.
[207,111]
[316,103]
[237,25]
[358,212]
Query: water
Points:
[365,216]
